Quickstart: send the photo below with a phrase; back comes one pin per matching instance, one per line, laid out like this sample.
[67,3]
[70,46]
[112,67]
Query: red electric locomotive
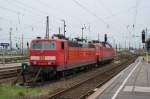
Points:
[104,51]
[54,55]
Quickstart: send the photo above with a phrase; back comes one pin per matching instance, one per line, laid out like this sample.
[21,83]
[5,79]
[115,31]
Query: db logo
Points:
[42,57]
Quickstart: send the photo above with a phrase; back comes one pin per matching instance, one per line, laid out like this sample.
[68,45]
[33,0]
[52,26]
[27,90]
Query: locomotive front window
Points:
[36,45]
[49,45]
[43,45]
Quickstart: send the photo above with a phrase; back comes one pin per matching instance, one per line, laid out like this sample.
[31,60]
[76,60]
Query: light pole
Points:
[146,34]
[47,27]
[82,33]
[10,38]
[83,27]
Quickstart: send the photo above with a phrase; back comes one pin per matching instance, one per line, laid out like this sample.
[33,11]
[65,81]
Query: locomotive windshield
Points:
[43,45]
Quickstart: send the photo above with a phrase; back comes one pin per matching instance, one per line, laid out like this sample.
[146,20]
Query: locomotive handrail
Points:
[37,74]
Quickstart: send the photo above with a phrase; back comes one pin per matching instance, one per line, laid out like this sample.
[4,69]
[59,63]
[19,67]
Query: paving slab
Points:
[132,83]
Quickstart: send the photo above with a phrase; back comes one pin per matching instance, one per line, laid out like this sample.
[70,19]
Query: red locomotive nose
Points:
[43,52]
[43,60]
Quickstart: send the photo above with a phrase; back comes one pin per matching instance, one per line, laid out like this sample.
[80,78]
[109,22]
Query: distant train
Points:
[53,55]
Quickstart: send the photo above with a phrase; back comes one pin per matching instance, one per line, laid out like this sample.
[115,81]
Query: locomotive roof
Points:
[76,43]
[106,44]
[103,44]
[48,39]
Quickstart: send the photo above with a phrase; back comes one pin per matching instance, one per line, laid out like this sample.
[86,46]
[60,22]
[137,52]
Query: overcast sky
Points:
[114,17]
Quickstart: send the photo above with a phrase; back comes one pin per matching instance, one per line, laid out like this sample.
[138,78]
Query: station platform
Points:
[132,83]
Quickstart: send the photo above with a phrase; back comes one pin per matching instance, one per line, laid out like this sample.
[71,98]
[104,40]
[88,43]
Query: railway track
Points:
[85,88]
[9,72]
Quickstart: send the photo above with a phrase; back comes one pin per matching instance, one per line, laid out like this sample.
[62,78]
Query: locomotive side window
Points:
[62,45]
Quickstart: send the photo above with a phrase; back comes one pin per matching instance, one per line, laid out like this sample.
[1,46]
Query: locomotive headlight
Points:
[34,62]
[50,57]
[49,63]
[34,57]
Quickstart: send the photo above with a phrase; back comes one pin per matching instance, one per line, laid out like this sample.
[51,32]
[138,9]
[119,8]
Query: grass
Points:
[11,92]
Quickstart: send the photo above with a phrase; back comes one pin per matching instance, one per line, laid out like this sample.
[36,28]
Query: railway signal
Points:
[16,45]
[105,38]
[143,36]
[28,44]
[64,27]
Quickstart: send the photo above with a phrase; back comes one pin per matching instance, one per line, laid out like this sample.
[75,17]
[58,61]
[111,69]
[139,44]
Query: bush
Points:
[21,93]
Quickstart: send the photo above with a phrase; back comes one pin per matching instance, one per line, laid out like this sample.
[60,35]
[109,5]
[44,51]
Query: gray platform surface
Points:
[132,83]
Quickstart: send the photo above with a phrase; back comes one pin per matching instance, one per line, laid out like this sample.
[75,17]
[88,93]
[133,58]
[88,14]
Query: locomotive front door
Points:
[65,52]
[65,48]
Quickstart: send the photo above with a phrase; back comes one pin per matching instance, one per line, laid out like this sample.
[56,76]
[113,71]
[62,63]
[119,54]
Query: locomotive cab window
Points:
[36,45]
[49,45]
[62,45]
[43,45]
